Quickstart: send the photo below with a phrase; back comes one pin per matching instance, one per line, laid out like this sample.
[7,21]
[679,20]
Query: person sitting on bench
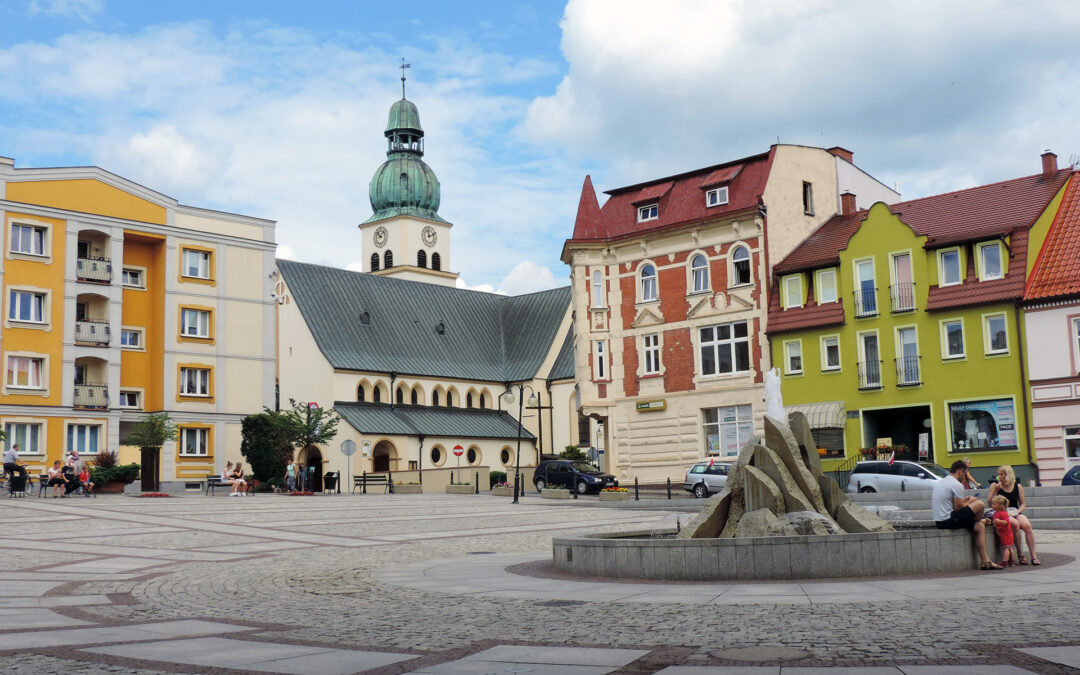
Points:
[227,479]
[13,467]
[238,476]
[84,479]
[56,478]
[71,481]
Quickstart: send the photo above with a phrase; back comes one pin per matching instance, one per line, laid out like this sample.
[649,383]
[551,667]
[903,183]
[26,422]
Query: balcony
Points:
[91,396]
[90,332]
[95,270]
[869,375]
[903,297]
[908,372]
[865,303]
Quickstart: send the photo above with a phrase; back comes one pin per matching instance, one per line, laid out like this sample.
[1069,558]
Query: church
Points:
[418,369]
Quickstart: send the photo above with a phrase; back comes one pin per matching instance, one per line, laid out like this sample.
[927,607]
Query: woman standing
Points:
[1008,487]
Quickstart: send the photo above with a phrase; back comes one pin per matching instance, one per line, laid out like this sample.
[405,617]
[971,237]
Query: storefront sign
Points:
[983,424]
[924,445]
[650,406]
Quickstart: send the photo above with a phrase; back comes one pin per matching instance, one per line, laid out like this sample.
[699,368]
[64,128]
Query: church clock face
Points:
[429,235]
[380,236]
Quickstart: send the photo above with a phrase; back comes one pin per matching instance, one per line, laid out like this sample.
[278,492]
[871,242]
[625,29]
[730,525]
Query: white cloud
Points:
[481,288]
[528,277]
[286,252]
[73,9]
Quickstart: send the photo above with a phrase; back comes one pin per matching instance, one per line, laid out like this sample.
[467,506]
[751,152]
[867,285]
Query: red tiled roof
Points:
[1056,271]
[981,212]
[721,176]
[973,292]
[681,201]
[811,315]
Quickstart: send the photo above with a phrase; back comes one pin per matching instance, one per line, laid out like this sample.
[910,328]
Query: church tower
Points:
[405,237]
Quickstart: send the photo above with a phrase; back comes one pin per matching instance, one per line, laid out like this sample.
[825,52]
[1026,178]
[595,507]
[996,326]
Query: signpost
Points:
[458,452]
[348,448]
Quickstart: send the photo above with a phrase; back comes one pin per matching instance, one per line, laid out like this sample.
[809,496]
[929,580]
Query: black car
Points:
[580,476]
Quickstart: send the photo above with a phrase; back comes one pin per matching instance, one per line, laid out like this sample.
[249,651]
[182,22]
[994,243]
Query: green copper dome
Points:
[404,184]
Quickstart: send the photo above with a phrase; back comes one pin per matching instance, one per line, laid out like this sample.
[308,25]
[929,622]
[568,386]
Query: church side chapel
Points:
[415,366]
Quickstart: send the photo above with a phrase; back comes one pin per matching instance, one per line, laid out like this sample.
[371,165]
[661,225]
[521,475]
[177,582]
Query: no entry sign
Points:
[458,451]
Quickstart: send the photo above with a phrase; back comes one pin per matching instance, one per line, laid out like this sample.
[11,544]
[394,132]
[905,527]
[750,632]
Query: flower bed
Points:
[154,494]
[615,495]
[297,493]
[502,490]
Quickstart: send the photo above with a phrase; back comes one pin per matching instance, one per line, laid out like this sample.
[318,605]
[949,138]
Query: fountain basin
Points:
[647,555]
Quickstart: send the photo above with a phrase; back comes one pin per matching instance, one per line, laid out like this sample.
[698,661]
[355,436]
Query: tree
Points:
[574,454]
[152,431]
[266,446]
[310,426]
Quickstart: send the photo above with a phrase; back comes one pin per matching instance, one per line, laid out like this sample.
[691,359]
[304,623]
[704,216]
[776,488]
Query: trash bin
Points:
[330,480]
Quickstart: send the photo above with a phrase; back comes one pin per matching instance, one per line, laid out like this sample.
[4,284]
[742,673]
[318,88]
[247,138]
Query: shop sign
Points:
[650,406]
[983,424]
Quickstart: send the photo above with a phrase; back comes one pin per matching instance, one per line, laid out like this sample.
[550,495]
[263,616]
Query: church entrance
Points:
[384,457]
[313,469]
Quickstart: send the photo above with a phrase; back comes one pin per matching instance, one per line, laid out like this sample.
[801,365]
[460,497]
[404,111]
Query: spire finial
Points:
[403,67]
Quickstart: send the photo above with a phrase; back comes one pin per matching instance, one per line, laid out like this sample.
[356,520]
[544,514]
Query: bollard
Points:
[574,490]
[477,490]
[669,488]
[903,488]
[390,481]
[637,495]
[451,477]
[363,490]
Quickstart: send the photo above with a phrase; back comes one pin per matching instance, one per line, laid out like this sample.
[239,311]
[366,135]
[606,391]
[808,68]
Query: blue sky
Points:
[276,109]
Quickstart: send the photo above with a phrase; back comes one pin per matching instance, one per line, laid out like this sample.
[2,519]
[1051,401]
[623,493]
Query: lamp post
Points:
[508,398]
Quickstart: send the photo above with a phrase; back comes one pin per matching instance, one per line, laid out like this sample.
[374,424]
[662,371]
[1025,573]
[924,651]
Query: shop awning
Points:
[824,415]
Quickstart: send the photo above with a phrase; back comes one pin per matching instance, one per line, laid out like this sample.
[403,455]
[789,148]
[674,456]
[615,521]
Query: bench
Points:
[213,482]
[374,479]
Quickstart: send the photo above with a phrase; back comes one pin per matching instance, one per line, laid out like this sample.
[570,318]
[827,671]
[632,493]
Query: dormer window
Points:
[716,196]
[990,261]
[649,212]
[950,267]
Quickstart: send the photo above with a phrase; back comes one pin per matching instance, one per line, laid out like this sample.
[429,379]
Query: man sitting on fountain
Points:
[952,511]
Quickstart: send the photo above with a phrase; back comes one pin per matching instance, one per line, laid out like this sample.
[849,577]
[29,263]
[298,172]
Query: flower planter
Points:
[549,493]
[112,487]
[408,489]
[460,489]
[614,496]
[502,492]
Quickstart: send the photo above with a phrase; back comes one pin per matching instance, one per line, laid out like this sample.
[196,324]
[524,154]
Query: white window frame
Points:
[808,198]
[202,268]
[717,344]
[600,373]
[15,298]
[141,333]
[864,381]
[946,355]
[202,322]
[32,439]
[699,275]
[988,337]
[39,235]
[743,424]
[597,289]
[41,371]
[650,351]
[140,272]
[825,365]
[82,445]
[792,351]
[717,196]
[202,381]
[1074,324]
[649,287]
[898,350]
[1070,460]
[793,295]
[201,438]
[942,281]
[137,393]
[734,270]
[980,252]
[820,285]
[648,212]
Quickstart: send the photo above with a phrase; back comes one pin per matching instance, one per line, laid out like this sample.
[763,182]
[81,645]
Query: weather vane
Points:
[403,67]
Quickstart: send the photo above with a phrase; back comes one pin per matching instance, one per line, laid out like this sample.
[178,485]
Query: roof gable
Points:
[88,195]
[1056,272]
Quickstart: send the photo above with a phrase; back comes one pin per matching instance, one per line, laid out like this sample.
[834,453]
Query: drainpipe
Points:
[420,460]
[1024,394]
[551,414]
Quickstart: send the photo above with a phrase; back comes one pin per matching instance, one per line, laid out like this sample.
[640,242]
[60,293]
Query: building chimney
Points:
[1049,164]
[847,203]
[842,153]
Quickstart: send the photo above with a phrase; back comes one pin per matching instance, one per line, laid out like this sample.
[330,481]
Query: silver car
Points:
[880,476]
[706,477]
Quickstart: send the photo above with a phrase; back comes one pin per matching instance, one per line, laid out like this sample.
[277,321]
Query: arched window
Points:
[435,397]
[468,400]
[414,397]
[360,393]
[648,283]
[699,270]
[374,262]
[449,399]
[388,259]
[401,395]
[740,265]
[436,262]
[597,288]
[421,258]
[483,400]
[376,394]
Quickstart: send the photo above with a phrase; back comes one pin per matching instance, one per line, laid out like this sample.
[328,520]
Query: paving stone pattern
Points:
[419,583]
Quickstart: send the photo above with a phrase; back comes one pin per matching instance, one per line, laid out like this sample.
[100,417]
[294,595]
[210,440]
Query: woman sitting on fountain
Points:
[1008,487]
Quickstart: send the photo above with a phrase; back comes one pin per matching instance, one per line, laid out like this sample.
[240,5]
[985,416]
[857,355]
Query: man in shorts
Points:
[953,511]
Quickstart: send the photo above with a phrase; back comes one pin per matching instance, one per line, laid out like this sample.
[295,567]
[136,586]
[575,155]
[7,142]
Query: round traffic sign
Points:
[348,447]
[458,451]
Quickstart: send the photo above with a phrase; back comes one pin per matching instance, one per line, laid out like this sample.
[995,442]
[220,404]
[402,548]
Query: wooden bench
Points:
[373,479]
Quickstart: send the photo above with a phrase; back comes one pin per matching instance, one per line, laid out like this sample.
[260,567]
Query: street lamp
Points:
[508,398]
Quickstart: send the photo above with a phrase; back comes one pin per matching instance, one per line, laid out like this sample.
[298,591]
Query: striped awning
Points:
[824,415]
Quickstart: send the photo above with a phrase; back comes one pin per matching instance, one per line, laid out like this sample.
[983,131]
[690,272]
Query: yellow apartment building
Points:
[119,301]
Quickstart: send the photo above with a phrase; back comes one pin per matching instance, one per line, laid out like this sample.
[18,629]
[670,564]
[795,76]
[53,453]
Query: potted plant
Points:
[615,494]
[150,434]
[109,475]
[410,488]
[459,489]
[555,492]
[502,490]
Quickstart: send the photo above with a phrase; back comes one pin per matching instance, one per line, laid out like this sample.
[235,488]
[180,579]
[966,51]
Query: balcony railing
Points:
[903,297]
[865,303]
[98,270]
[869,375]
[92,332]
[908,372]
[95,396]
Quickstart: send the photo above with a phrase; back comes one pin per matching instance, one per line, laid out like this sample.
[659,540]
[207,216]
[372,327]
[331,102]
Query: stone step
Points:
[1037,524]
[1034,514]
[1029,493]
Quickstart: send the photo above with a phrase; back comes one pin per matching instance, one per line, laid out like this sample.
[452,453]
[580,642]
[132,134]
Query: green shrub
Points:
[497,477]
[124,473]
[574,454]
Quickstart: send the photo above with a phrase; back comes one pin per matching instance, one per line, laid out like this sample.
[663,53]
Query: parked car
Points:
[706,477]
[580,476]
[880,476]
[1071,477]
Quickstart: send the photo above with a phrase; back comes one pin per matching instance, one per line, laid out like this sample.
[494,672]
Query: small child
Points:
[84,479]
[1004,529]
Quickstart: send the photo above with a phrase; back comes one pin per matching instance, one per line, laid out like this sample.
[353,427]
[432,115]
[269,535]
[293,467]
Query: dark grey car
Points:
[580,476]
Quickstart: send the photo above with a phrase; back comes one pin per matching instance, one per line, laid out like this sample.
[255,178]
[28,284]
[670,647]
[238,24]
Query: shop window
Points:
[727,429]
[983,425]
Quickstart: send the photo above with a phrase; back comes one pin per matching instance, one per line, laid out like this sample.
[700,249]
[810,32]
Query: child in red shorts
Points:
[1004,529]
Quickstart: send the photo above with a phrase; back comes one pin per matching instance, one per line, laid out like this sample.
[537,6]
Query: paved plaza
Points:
[459,584]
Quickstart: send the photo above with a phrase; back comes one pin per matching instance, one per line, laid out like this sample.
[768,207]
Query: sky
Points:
[276,108]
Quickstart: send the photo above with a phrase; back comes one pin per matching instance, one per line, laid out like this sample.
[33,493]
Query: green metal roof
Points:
[404,184]
[486,337]
[403,115]
[411,420]
[563,368]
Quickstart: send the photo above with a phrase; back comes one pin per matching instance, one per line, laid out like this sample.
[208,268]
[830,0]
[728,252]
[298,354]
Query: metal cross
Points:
[403,67]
